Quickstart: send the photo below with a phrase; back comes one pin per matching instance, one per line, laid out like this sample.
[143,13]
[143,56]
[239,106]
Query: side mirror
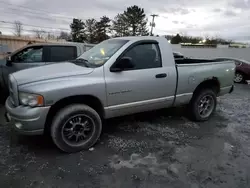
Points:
[122,64]
[8,61]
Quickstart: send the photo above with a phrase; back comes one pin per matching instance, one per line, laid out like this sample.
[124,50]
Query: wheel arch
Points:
[211,83]
[89,100]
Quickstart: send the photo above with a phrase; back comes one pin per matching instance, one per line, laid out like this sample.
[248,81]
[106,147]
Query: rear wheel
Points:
[75,128]
[203,105]
[239,77]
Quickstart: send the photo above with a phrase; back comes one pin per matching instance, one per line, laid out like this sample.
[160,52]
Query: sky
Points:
[229,19]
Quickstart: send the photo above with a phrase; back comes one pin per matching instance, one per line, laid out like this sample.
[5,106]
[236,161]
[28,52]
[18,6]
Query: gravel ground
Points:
[155,149]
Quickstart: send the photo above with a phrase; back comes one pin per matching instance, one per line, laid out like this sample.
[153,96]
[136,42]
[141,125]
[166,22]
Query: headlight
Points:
[32,100]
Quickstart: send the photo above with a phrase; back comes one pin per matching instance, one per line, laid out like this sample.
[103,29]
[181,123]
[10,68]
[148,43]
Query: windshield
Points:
[99,54]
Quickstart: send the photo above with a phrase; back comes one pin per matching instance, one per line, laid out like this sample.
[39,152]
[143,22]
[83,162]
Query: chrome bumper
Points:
[26,120]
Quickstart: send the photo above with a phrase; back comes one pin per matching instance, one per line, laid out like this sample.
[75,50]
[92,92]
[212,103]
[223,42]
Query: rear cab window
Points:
[62,53]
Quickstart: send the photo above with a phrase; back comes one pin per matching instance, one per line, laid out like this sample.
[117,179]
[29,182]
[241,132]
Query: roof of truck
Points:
[62,44]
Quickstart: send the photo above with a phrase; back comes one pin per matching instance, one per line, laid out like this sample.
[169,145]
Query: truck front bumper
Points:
[26,120]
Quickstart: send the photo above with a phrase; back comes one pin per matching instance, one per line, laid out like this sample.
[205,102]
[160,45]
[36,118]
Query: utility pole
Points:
[152,24]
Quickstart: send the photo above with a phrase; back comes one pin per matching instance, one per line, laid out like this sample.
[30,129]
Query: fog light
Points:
[18,125]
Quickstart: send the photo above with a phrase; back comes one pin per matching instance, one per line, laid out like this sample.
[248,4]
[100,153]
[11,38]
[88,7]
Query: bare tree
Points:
[51,36]
[39,33]
[65,35]
[18,28]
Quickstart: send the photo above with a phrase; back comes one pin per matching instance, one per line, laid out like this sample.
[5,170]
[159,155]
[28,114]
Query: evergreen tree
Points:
[78,30]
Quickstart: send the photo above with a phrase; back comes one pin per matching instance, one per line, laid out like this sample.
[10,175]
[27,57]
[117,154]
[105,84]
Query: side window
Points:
[145,56]
[62,53]
[29,55]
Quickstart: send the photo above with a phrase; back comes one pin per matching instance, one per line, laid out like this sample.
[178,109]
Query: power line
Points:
[38,17]
[152,24]
[28,29]
[7,22]
[39,10]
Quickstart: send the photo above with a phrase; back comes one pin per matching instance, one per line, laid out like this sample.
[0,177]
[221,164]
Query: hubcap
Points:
[238,77]
[206,106]
[77,130]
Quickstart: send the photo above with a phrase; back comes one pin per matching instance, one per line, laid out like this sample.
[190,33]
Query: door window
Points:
[62,53]
[29,55]
[145,56]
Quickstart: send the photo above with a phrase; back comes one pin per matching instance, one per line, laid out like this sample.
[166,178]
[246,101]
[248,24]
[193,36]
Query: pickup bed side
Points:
[193,75]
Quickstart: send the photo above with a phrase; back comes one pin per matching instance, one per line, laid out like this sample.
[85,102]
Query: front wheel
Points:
[203,105]
[75,128]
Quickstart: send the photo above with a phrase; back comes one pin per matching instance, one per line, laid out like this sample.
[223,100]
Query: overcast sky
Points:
[225,18]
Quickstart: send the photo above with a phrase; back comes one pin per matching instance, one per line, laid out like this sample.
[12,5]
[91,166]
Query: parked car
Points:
[37,55]
[116,77]
[242,72]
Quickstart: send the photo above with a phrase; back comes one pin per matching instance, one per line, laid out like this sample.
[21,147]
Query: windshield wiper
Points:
[81,61]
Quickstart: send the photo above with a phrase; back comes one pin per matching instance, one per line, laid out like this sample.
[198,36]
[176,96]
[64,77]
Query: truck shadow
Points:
[171,118]
[110,126]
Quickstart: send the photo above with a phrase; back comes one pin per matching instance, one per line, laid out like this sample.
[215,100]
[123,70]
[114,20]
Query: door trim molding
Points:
[138,103]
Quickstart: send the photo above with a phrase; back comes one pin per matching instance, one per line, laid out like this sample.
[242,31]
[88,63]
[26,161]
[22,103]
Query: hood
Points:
[47,72]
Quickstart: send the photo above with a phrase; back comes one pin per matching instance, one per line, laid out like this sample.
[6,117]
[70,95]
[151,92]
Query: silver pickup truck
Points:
[117,77]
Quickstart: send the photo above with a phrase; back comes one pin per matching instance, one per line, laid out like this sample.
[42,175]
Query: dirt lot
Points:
[156,149]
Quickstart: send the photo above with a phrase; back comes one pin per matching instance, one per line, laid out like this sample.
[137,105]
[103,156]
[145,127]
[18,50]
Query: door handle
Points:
[163,75]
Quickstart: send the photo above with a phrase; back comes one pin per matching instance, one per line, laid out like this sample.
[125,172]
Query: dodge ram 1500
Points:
[117,77]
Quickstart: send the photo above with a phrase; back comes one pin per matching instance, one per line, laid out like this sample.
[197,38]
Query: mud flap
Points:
[232,89]
[7,117]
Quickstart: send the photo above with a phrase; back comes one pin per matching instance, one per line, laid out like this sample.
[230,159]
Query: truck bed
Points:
[192,61]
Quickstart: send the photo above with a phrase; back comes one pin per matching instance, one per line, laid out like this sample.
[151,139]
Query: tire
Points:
[239,78]
[196,104]
[68,120]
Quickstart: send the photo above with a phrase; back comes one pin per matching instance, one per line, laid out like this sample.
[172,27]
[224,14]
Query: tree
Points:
[0,33]
[51,36]
[102,29]
[91,30]
[78,30]
[39,33]
[64,35]
[120,26]
[18,28]
[176,39]
[190,39]
[136,20]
